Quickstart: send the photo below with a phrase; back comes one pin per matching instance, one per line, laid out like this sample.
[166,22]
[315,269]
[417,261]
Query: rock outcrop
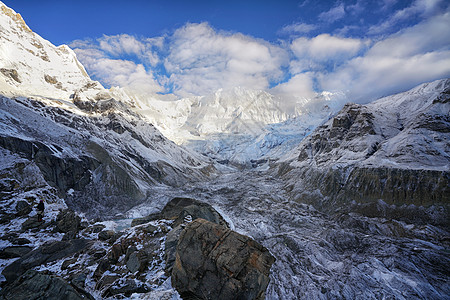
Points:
[44,254]
[394,150]
[214,262]
[36,285]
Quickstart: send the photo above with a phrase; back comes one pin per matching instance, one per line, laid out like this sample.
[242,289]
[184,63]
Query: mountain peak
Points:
[15,17]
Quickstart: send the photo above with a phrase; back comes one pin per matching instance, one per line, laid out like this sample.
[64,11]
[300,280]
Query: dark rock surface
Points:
[67,221]
[178,208]
[213,262]
[14,251]
[34,285]
[44,254]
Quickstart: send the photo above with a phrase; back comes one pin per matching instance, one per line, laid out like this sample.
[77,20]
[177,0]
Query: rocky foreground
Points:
[188,245]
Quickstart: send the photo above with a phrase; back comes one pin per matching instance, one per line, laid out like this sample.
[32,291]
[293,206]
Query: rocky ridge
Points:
[380,158]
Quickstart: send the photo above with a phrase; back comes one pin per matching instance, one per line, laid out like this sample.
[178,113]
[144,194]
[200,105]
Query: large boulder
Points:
[35,285]
[178,208]
[68,221]
[214,262]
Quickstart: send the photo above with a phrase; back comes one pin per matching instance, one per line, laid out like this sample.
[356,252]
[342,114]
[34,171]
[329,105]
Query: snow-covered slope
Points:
[395,149]
[31,65]
[238,125]
[86,141]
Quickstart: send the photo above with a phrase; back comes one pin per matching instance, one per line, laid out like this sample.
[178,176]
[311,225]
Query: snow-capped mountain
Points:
[239,126]
[31,65]
[85,140]
[395,149]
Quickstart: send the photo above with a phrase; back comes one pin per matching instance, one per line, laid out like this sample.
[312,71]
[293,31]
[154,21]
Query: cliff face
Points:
[394,150]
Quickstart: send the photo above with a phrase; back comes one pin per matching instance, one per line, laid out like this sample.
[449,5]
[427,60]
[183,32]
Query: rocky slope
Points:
[86,141]
[394,151]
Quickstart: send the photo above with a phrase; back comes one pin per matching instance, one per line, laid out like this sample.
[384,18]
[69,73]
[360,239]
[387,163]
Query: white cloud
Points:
[412,56]
[115,71]
[325,47]
[422,8]
[334,14]
[202,60]
[300,85]
[299,28]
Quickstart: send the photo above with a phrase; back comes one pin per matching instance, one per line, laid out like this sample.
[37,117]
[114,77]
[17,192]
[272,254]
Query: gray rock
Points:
[35,285]
[171,247]
[213,262]
[44,254]
[23,208]
[14,251]
[33,224]
[178,208]
[137,261]
[106,235]
[128,288]
[67,221]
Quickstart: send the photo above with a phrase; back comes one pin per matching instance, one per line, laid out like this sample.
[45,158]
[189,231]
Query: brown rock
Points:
[214,262]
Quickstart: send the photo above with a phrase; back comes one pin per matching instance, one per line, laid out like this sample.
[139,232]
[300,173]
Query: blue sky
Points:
[363,48]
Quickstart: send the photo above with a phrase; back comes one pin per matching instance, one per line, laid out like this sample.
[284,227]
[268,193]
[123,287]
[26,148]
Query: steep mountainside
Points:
[85,140]
[392,151]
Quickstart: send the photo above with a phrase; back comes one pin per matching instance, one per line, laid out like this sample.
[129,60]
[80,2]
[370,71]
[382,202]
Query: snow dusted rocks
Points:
[35,285]
[392,152]
[214,262]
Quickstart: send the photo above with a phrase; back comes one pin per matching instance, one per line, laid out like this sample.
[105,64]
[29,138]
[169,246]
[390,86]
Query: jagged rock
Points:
[11,73]
[128,288]
[65,265]
[14,251]
[96,228]
[178,208]
[115,253]
[67,221]
[106,281]
[23,208]
[34,224]
[137,261]
[171,247]
[106,235]
[44,254]
[213,262]
[35,285]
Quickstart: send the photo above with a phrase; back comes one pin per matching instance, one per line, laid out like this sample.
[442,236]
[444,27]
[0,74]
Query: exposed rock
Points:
[14,251]
[11,73]
[171,247]
[129,287]
[213,262]
[136,261]
[106,235]
[65,265]
[67,221]
[35,285]
[34,224]
[23,208]
[50,79]
[44,254]
[178,208]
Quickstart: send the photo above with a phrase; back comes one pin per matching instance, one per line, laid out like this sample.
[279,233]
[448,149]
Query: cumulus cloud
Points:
[325,47]
[197,59]
[417,54]
[334,14]
[300,85]
[102,59]
[202,60]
